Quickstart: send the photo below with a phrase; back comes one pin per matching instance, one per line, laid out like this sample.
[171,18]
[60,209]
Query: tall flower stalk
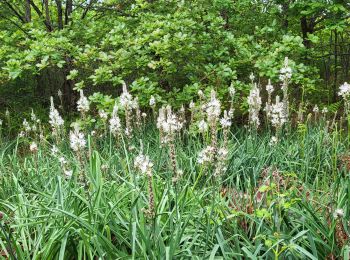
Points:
[56,121]
[344,92]
[114,122]
[126,101]
[278,117]
[269,89]
[144,165]
[168,125]
[254,102]
[213,111]
[83,104]
[285,76]
[78,144]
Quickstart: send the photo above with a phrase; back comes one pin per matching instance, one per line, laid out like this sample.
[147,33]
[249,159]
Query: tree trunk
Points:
[28,14]
[59,14]
[305,30]
[69,9]
[47,15]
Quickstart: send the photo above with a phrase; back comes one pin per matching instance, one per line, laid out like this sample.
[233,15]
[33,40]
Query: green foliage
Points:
[169,48]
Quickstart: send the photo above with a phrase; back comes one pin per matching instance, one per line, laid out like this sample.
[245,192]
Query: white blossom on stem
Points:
[114,121]
[278,117]
[254,102]
[56,121]
[83,104]
[77,140]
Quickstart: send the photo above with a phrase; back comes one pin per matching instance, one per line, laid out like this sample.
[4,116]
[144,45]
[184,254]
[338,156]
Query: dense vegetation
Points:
[169,49]
[166,129]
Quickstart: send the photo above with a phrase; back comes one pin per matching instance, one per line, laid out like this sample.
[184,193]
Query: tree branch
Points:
[19,16]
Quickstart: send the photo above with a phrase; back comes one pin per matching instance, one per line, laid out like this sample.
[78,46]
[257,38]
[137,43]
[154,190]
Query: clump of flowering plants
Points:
[196,185]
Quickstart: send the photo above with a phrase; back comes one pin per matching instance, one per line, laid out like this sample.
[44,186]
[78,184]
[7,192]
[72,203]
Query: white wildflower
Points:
[325,110]
[338,213]
[200,94]
[144,115]
[225,121]
[68,173]
[192,104]
[103,114]
[126,100]
[26,126]
[169,123]
[232,91]
[202,126]
[152,101]
[62,161]
[33,147]
[230,113]
[344,90]
[83,104]
[77,140]
[54,150]
[56,120]
[114,122]
[254,102]
[278,117]
[286,71]
[269,87]
[222,153]
[206,155]
[34,118]
[273,141]
[212,108]
[315,109]
[143,164]
[251,76]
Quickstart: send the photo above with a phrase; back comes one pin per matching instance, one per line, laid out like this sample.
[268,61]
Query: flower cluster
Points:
[202,126]
[168,122]
[56,121]
[213,107]
[83,104]
[143,164]
[114,121]
[103,114]
[278,117]
[33,147]
[152,101]
[269,87]
[126,100]
[77,140]
[344,90]
[254,102]
[286,71]
[206,155]
[225,121]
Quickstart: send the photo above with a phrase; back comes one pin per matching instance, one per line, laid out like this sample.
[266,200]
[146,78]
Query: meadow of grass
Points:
[288,200]
[184,184]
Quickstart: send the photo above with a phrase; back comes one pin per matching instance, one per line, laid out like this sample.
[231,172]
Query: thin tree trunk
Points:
[59,14]
[69,9]
[28,14]
[47,15]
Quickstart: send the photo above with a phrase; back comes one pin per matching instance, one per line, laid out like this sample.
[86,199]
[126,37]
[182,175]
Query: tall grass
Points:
[272,202]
